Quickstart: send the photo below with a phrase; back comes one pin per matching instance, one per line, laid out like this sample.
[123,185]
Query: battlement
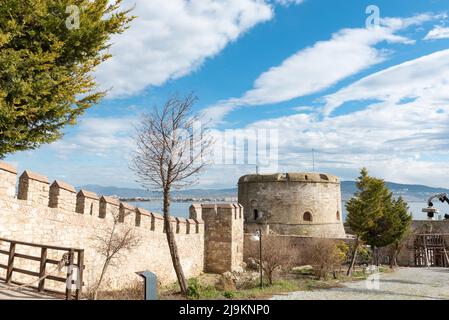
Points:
[221,211]
[35,189]
[55,213]
[223,235]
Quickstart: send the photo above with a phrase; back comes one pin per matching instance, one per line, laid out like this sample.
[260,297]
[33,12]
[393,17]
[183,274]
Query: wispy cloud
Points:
[439,32]
[98,136]
[323,65]
[170,39]
[425,78]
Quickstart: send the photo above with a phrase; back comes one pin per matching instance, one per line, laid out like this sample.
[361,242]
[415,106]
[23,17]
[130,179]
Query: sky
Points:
[328,76]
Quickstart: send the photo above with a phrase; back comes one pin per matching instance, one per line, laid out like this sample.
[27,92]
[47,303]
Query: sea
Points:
[181,209]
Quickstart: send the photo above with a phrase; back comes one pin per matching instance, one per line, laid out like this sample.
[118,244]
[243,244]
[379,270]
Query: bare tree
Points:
[171,150]
[276,255]
[326,256]
[115,241]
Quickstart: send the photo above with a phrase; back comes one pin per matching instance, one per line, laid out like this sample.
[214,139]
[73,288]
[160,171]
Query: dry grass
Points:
[134,292]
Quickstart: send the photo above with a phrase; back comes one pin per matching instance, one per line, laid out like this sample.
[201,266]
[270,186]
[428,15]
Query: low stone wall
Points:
[298,244]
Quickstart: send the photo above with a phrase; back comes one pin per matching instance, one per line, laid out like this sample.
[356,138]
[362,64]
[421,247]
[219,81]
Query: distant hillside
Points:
[134,193]
[410,192]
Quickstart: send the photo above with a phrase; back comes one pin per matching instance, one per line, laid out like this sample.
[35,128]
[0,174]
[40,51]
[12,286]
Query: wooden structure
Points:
[71,258]
[431,250]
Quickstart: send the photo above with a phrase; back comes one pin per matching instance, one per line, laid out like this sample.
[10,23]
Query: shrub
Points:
[228,294]
[326,255]
[193,290]
[276,255]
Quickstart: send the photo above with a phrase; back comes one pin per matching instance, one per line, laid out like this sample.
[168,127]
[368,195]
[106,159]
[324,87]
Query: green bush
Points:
[193,290]
[228,294]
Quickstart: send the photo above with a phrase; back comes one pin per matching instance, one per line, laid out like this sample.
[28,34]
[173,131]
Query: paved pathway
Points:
[6,294]
[403,284]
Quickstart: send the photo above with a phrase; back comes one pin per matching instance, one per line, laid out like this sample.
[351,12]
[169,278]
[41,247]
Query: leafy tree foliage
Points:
[46,64]
[374,215]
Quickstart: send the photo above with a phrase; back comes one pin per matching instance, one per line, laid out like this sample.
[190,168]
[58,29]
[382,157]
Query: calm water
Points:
[181,209]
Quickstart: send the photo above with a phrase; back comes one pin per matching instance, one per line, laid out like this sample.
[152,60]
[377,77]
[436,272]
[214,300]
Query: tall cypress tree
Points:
[374,215]
[48,50]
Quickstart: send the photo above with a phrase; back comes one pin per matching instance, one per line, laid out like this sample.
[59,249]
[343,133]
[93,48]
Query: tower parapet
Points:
[304,204]
[223,233]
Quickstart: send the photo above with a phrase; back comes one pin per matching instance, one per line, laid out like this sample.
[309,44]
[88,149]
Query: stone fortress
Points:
[215,238]
[303,204]
[212,239]
[56,214]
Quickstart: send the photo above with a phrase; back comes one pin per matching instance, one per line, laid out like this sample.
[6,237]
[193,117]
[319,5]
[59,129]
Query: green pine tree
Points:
[375,217]
[46,64]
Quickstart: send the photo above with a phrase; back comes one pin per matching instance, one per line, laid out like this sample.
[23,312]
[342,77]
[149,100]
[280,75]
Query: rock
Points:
[307,269]
[226,282]
[252,264]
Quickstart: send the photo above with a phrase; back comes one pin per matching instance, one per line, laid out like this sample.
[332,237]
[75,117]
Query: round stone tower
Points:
[305,204]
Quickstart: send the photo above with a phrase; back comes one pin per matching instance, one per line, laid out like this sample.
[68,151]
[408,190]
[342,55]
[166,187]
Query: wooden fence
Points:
[71,258]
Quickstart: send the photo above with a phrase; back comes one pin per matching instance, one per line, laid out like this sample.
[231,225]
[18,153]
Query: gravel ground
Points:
[403,284]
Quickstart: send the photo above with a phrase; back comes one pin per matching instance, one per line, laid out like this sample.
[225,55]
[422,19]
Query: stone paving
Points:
[403,284]
[7,294]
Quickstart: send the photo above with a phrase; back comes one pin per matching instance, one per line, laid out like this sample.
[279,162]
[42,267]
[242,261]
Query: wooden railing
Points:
[71,258]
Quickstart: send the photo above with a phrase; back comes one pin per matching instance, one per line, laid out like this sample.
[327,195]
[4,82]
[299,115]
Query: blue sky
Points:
[374,97]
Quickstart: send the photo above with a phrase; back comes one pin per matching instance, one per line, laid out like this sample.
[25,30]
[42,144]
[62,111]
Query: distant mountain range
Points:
[409,192]
[141,193]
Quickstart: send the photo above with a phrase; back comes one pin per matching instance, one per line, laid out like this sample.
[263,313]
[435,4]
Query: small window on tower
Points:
[256,214]
[307,216]
[338,215]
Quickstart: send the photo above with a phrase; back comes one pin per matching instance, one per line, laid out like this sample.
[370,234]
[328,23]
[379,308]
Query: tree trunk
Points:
[377,256]
[172,244]
[374,258]
[354,257]
[103,272]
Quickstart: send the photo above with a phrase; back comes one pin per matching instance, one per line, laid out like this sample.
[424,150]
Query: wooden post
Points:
[79,287]
[68,289]
[425,251]
[42,268]
[10,267]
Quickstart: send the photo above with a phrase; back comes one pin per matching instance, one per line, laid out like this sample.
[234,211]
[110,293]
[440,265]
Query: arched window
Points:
[256,214]
[338,215]
[307,216]
[254,209]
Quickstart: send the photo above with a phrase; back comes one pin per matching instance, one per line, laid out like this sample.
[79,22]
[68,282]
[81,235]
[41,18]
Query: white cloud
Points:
[393,141]
[426,78]
[438,32]
[287,3]
[403,137]
[170,39]
[322,65]
[98,136]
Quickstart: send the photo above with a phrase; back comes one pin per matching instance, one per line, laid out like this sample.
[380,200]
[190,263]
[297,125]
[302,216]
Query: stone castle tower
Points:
[304,204]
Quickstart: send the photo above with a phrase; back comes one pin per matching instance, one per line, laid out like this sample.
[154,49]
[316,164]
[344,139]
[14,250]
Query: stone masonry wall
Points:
[223,235]
[77,220]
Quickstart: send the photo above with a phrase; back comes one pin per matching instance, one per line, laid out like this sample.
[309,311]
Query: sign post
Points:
[150,279]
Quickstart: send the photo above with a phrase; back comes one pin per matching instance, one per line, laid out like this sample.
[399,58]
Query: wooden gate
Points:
[71,258]
[431,251]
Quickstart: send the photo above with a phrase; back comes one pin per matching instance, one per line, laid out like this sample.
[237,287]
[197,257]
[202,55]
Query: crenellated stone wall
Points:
[57,215]
[223,235]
